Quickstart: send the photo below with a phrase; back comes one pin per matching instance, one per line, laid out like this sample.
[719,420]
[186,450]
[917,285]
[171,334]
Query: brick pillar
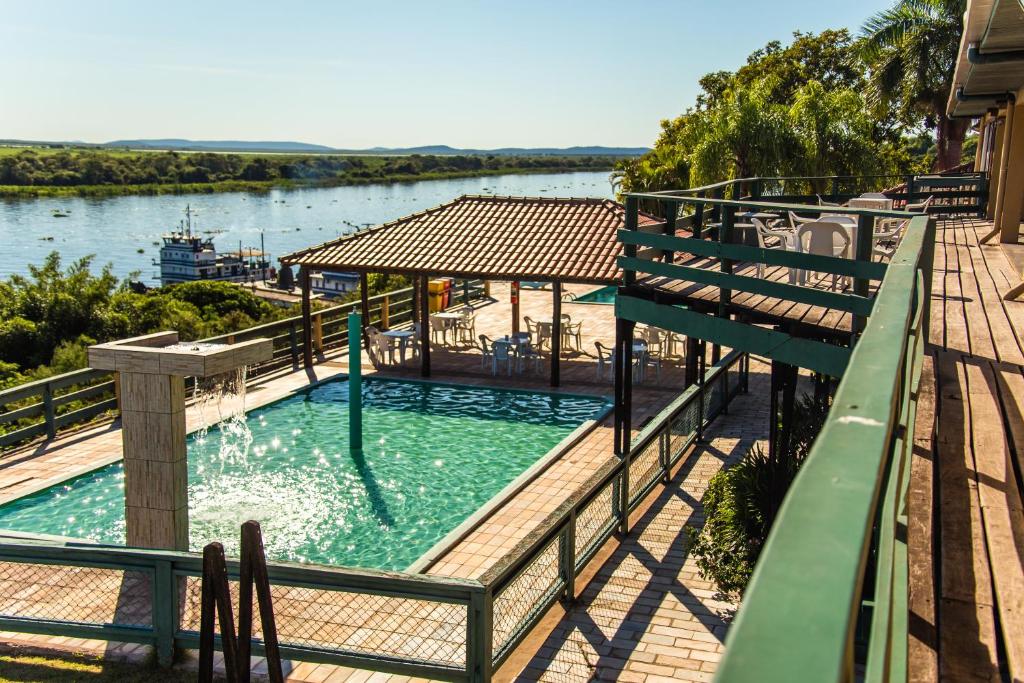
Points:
[155,465]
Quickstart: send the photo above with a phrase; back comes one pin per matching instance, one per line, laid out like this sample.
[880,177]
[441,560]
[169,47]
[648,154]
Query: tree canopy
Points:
[49,317]
[796,109]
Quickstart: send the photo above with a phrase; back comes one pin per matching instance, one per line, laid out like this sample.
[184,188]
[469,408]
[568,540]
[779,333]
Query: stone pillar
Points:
[155,464]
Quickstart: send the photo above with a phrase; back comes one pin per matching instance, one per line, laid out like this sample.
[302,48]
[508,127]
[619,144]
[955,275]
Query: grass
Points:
[45,668]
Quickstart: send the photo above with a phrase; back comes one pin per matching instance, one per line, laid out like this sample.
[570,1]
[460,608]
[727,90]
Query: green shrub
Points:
[742,501]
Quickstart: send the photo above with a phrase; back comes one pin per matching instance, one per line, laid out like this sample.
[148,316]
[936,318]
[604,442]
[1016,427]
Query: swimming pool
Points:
[433,454]
[602,295]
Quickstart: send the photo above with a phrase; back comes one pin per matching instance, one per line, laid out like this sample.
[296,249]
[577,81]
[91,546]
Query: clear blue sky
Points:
[360,74]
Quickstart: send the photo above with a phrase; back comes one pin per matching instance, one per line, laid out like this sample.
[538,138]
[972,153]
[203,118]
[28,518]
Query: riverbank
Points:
[149,189]
[77,172]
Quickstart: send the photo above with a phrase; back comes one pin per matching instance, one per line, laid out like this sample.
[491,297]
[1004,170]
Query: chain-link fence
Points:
[543,567]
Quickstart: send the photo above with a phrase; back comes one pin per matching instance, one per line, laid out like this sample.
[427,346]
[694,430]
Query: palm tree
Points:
[911,49]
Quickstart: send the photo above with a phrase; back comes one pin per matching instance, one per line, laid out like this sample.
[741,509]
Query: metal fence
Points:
[543,568]
[43,408]
[419,625]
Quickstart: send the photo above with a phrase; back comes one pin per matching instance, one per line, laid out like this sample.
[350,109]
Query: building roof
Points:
[499,238]
[990,27]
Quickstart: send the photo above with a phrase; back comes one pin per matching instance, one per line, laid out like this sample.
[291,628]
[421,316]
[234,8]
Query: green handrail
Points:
[800,612]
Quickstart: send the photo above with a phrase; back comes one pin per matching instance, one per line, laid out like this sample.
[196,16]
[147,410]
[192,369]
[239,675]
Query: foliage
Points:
[92,171]
[742,501]
[912,50]
[790,110]
[49,318]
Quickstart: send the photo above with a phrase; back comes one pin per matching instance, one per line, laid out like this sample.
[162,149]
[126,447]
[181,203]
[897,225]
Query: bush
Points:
[742,501]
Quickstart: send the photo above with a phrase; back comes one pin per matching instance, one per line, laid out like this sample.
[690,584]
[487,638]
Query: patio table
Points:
[402,337]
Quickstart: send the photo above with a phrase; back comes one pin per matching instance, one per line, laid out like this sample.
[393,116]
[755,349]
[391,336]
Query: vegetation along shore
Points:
[54,172]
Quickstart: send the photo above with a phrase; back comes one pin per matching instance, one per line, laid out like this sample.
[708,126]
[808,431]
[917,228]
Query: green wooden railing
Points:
[835,564]
[956,191]
[433,627]
[45,407]
[828,598]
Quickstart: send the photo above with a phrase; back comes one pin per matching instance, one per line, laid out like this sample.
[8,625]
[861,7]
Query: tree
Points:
[912,50]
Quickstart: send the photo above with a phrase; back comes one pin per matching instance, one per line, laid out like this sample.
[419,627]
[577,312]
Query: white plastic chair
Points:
[604,360]
[501,352]
[486,351]
[822,202]
[439,326]
[824,238]
[465,326]
[786,242]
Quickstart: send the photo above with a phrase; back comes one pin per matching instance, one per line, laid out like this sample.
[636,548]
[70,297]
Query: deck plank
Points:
[967,632]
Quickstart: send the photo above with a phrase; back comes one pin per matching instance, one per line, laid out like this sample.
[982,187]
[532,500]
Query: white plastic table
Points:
[402,337]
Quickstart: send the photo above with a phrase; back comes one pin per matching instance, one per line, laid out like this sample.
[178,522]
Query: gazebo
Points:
[538,239]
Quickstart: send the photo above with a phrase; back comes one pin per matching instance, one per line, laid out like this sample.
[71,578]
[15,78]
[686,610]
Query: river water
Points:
[125,231]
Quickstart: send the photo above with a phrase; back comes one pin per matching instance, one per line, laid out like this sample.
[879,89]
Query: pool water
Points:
[433,454]
[602,295]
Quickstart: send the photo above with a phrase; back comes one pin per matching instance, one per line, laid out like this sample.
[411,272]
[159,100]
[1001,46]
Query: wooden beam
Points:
[556,332]
[364,304]
[805,353]
[424,328]
[307,324]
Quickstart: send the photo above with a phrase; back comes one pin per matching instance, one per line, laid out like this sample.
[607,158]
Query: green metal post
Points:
[355,385]
[632,219]
[567,559]
[165,612]
[479,644]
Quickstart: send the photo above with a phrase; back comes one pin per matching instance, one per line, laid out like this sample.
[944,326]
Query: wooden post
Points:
[692,350]
[216,603]
[307,336]
[515,307]
[556,333]
[623,368]
[424,328]
[385,312]
[364,306]
[318,332]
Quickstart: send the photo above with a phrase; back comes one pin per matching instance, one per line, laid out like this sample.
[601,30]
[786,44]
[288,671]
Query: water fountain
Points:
[152,371]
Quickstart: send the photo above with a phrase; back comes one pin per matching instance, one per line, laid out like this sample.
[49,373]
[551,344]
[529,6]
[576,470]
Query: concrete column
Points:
[1011,194]
[155,464]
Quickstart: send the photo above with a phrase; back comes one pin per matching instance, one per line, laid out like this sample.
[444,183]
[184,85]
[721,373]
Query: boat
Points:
[186,256]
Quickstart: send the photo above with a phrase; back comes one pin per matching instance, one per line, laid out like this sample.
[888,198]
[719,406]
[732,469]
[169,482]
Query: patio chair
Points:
[822,202]
[888,237]
[501,352]
[921,207]
[572,336]
[827,239]
[529,355]
[465,327]
[439,326]
[872,195]
[604,359]
[385,348]
[531,326]
[485,348]
[796,221]
[786,242]
[650,358]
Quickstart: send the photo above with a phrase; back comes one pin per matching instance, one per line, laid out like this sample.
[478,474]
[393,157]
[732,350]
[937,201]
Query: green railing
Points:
[828,598]
[952,192]
[45,407]
[412,624]
[831,581]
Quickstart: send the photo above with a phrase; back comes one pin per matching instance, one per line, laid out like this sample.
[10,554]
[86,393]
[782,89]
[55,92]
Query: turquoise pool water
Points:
[433,454]
[603,295]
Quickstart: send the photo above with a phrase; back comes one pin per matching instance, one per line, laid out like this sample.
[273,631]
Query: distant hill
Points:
[220,145]
[289,147]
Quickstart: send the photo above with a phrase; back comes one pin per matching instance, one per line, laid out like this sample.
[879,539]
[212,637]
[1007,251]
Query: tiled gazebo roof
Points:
[498,238]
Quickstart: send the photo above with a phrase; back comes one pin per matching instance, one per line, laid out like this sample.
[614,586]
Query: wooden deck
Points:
[802,319]
[966,520]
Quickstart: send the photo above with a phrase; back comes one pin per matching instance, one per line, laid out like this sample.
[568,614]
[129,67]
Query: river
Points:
[125,231]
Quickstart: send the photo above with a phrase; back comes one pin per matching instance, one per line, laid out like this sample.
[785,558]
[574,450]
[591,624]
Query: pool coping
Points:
[436,551]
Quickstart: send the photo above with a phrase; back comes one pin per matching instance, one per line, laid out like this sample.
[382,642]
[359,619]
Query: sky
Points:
[364,74]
